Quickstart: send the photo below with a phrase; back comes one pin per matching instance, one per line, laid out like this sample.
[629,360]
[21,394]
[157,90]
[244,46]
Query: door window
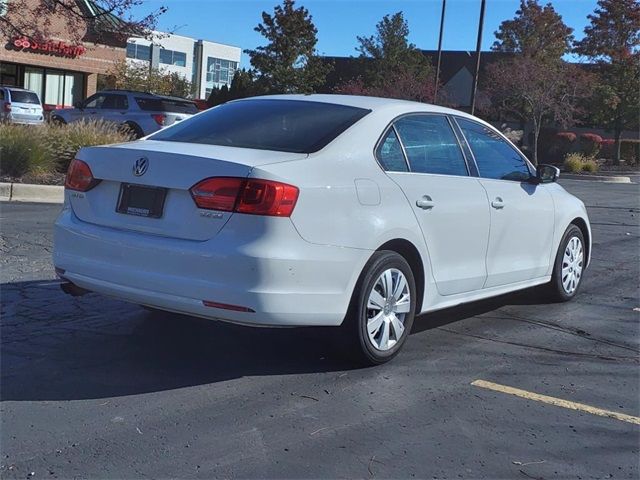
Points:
[431,145]
[390,154]
[95,102]
[115,102]
[494,156]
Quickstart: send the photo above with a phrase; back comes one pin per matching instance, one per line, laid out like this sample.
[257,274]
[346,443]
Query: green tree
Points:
[535,84]
[289,62]
[389,50]
[611,40]
[536,31]
[243,85]
[392,66]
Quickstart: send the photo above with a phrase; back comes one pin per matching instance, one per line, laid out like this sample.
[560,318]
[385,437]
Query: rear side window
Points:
[166,105]
[494,156]
[431,145]
[390,154]
[279,125]
[20,96]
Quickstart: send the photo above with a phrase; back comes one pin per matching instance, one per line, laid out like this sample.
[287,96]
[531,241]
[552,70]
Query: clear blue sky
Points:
[340,21]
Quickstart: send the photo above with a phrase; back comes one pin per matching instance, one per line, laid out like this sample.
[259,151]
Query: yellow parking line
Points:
[558,402]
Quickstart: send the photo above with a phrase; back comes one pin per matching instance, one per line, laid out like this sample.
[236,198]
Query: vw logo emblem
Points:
[141,166]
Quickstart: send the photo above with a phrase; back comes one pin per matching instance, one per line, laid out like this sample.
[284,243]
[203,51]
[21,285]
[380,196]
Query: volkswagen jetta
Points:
[296,210]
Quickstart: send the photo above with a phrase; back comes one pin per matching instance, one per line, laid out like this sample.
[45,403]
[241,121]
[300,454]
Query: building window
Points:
[220,72]
[170,57]
[4,6]
[139,52]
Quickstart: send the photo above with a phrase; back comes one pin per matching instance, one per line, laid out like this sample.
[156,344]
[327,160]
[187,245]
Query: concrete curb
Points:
[596,178]
[24,192]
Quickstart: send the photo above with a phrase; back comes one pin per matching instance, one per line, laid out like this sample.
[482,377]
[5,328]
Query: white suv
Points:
[18,105]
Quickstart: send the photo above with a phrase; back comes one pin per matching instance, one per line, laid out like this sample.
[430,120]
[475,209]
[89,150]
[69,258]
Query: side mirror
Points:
[78,105]
[546,173]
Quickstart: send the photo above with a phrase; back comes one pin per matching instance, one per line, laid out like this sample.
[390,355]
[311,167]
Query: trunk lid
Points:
[173,166]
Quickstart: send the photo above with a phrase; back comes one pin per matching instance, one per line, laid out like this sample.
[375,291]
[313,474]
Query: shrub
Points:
[22,150]
[590,165]
[64,141]
[563,143]
[590,144]
[573,162]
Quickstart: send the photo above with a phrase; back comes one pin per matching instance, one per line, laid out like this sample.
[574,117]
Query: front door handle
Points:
[425,202]
[497,203]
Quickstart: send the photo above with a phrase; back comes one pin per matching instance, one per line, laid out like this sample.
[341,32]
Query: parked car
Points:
[18,105]
[295,210]
[142,113]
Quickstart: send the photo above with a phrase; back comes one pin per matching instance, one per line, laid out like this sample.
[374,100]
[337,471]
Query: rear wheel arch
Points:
[135,128]
[582,225]
[410,253]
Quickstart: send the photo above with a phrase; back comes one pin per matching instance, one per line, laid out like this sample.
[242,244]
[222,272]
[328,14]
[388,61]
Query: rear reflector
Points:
[79,177]
[225,306]
[252,196]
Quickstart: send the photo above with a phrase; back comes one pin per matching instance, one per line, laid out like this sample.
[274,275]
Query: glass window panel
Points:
[143,52]
[390,153]
[166,56]
[54,88]
[431,145]
[494,156]
[180,59]
[131,50]
[34,80]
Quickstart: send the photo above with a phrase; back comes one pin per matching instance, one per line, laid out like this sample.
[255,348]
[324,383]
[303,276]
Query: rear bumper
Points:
[24,120]
[285,280]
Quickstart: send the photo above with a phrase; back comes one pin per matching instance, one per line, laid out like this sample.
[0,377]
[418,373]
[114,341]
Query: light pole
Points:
[435,93]
[478,47]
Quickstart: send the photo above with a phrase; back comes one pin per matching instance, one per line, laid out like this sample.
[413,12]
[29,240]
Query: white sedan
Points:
[296,210]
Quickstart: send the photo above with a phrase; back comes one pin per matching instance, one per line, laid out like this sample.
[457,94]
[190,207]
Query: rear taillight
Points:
[245,195]
[7,107]
[79,177]
[159,118]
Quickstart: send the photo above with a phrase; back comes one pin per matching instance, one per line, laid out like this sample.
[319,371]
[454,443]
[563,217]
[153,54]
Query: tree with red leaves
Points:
[86,20]
[612,40]
[535,84]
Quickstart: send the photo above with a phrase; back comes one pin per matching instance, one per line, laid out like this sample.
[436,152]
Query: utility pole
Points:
[435,93]
[478,47]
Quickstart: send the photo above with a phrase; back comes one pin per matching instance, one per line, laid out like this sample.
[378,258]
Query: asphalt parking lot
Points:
[96,388]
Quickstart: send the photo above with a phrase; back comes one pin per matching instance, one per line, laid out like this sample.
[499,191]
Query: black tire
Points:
[133,129]
[555,288]
[354,331]
[57,121]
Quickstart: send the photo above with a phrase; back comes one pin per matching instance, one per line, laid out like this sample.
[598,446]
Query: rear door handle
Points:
[425,202]
[497,203]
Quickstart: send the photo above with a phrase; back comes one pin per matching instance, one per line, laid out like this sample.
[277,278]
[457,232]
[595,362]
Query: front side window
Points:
[494,156]
[390,154]
[279,125]
[431,145]
[94,102]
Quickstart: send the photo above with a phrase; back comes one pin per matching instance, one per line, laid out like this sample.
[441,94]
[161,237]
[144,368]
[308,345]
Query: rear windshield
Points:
[280,125]
[166,105]
[20,96]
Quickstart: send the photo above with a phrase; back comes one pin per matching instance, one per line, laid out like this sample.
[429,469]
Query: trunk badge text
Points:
[210,215]
[141,166]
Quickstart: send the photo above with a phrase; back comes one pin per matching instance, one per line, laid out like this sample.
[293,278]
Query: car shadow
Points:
[56,347]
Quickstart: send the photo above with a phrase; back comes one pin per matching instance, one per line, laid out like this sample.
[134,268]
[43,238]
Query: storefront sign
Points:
[51,47]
